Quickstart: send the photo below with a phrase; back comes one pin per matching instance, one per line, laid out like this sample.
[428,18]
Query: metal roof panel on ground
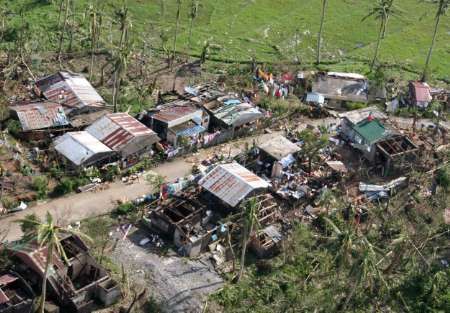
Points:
[80,146]
[422,91]
[232,183]
[70,89]
[279,147]
[357,116]
[40,115]
[117,130]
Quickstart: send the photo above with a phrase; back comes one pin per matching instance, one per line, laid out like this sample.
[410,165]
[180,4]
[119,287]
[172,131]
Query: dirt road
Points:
[76,207]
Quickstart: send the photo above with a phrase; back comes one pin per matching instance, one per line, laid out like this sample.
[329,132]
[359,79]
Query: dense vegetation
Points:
[394,260]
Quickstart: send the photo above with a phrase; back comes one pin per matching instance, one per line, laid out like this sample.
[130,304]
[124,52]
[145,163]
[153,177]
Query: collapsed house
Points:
[202,94]
[82,103]
[39,118]
[125,135]
[76,283]
[230,113]
[82,149]
[419,94]
[338,88]
[176,120]
[379,143]
[277,154]
[16,296]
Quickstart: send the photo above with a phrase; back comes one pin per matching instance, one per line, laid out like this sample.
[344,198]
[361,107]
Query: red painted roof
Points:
[421,91]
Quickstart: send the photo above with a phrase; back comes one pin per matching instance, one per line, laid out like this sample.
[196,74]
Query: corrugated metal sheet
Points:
[279,147]
[71,90]
[237,114]
[357,116]
[187,129]
[422,92]
[80,147]
[232,183]
[40,115]
[119,130]
[177,112]
[315,97]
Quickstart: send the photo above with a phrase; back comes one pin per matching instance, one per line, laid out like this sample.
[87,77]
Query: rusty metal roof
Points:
[179,110]
[40,115]
[232,183]
[119,131]
[70,89]
[422,91]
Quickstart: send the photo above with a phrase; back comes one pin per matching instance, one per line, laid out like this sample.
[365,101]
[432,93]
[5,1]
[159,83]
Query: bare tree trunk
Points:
[231,250]
[176,34]
[377,49]
[319,36]
[430,52]
[48,263]
[63,30]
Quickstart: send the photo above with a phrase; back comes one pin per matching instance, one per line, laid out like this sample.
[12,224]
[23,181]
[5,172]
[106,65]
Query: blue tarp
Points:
[232,101]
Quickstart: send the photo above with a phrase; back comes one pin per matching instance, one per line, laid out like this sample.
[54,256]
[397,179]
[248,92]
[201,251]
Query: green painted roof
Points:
[370,130]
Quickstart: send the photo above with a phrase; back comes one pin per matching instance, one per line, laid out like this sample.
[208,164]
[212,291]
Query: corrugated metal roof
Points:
[177,110]
[279,147]
[342,87]
[237,114]
[357,116]
[188,129]
[232,182]
[80,147]
[371,130]
[421,91]
[70,89]
[315,97]
[117,130]
[40,115]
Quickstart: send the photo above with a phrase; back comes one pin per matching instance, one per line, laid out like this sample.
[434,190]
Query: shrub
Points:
[124,208]
[14,127]
[65,186]
[355,105]
[40,185]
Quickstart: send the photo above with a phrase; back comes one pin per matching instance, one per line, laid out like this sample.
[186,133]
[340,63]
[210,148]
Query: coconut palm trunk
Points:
[377,48]
[63,30]
[48,264]
[176,34]
[430,51]
[319,36]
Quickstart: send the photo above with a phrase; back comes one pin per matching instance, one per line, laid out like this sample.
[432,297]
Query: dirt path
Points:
[76,207]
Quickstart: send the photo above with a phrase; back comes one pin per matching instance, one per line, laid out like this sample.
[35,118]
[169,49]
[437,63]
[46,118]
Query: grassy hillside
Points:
[270,30]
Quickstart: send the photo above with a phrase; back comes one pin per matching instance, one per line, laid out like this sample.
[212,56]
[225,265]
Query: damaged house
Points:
[230,113]
[76,283]
[277,154]
[81,149]
[231,183]
[38,119]
[338,88]
[177,120]
[125,135]
[16,296]
[81,102]
[377,142]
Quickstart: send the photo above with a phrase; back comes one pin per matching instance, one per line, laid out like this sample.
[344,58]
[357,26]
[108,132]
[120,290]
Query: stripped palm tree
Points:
[382,11]
[95,21]
[175,37]
[250,222]
[319,36]
[442,9]
[47,234]
[193,15]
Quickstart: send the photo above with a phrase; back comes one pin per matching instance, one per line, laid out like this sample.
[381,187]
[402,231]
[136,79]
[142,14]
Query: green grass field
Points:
[274,30]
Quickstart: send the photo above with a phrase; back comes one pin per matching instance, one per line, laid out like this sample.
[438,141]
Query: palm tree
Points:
[249,221]
[122,53]
[382,11]
[63,28]
[95,21]
[47,234]
[177,24]
[193,15]
[441,11]
[319,36]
